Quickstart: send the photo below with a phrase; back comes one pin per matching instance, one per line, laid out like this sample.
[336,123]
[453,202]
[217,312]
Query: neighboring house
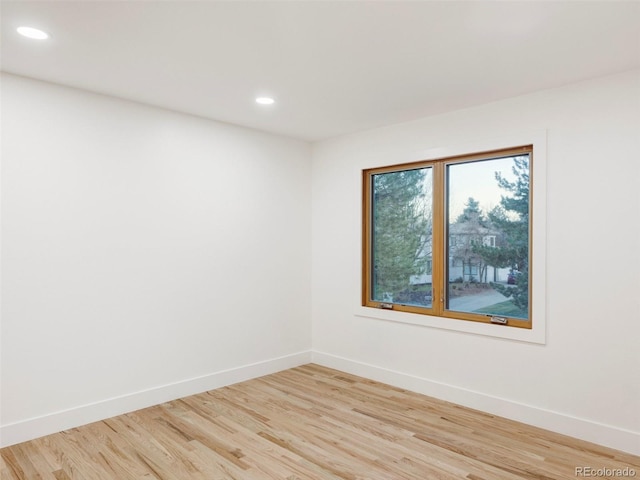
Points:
[464,263]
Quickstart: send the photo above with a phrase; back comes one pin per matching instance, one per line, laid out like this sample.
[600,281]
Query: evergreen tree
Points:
[471,213]
[469,228]
[402,231]
[511,218]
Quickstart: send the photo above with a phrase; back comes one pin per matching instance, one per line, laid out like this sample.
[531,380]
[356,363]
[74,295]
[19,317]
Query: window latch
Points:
[498,320]
[386,306]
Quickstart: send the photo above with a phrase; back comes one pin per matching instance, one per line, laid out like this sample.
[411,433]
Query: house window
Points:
[470,269]
[489,241]
[451,237]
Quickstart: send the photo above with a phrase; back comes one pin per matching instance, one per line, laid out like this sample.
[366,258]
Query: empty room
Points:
[319,240]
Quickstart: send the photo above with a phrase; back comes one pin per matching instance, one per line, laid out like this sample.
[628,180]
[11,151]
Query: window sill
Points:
[534,335]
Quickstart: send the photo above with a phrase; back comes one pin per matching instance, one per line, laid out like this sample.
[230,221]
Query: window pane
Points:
[401,237]
[488,237]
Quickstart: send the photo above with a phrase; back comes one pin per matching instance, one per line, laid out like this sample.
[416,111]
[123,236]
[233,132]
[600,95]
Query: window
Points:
[451,237]
[470,269]
[489,241]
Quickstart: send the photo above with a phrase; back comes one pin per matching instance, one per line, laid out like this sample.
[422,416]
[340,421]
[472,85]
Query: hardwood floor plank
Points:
[10,464]
[307,423]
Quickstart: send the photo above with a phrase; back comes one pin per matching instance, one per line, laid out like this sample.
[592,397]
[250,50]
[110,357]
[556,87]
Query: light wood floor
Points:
[309,422]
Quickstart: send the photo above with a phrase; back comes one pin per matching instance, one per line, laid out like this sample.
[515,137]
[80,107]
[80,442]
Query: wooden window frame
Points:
[439,231]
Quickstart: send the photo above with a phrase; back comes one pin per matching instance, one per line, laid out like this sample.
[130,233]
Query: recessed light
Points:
[34,33]
[265,100]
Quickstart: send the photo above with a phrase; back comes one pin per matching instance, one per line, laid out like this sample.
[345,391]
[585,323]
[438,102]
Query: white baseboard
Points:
[56,422]
[606,435]
[598,433]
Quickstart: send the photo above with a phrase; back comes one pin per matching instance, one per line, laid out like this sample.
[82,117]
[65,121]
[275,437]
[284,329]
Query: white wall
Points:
[585,381]
[146,255]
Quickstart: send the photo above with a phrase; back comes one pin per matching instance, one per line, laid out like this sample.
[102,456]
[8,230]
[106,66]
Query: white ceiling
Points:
[333,67]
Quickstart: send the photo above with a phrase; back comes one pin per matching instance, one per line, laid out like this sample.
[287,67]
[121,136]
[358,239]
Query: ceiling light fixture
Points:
[265,100]
[34,33]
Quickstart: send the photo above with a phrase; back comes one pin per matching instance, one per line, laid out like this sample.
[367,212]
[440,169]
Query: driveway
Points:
[470,303]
